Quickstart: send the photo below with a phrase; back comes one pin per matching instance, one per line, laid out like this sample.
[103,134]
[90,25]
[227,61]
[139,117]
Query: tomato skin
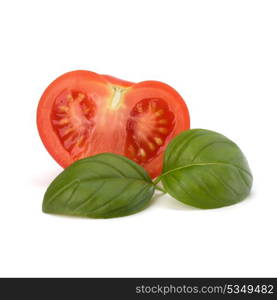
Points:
[133,119]
[117,81]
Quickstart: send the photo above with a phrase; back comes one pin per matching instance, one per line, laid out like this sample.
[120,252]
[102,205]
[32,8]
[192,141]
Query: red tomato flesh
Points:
[82,113]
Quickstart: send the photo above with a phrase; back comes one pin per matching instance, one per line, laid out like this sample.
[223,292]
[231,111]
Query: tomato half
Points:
[82,113]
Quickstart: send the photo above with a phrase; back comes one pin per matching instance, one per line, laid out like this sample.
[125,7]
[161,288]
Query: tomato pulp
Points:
[82,113]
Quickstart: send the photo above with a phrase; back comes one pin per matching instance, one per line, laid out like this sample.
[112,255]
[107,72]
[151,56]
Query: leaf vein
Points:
[204,164]
[63,189]
[93,195]
[243,179]
[109,201]
[227,186]
[137,169]
[210,144]
[119,209]
[182,187]
[185,143]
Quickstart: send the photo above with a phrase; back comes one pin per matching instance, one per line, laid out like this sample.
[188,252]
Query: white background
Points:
[221,56]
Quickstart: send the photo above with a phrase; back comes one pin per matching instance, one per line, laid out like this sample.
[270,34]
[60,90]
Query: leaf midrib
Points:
[111,178]
[204,164]
[79,181]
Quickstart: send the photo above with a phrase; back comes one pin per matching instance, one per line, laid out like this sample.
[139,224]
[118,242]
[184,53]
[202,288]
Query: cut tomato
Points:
[82,113]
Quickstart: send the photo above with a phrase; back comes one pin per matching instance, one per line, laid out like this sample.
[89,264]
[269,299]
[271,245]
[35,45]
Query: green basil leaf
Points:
[102,186]
[205,169]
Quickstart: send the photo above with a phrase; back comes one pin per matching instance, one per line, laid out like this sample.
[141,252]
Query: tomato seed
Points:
[158,140]
[151,146]
[63,121]
[69,98]
[163,121]
[159,113]
[63,108]
[162,130]
[141,152]
[80,97]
